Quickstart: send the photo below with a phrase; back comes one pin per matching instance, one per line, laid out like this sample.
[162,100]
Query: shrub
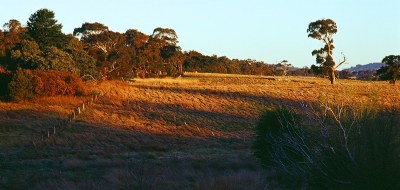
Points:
[351,149]
[270,126]
[22,86]
[26,84]
[52,83]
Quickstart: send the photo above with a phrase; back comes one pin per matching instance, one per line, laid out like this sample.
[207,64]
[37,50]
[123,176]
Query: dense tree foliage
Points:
[391,71]
[43,27]
[344,74]
[196,62]
[133,53]
[27,55]
[367,75]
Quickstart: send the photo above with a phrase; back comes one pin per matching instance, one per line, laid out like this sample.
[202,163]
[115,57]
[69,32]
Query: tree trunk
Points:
[331,75]
[180,69]
[331,65]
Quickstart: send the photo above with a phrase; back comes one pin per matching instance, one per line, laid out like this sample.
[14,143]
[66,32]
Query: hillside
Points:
[370,66]
[192,132]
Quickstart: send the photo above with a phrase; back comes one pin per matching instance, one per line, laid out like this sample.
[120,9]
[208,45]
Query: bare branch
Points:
[343,62]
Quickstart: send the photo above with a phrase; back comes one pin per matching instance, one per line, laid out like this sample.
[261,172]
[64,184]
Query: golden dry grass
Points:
[223,104]
[190,132]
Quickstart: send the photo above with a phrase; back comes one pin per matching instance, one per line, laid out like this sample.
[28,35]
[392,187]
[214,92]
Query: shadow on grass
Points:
[98,156]
[101,155]
[21,127]
[177,115]
[214,93]
[267,101]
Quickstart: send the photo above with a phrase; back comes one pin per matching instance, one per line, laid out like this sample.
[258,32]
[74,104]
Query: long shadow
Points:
[28,156]
[25,123]
[26,114]
[222,94]
[231,77]
[87,141]
[33,134]
[175,114]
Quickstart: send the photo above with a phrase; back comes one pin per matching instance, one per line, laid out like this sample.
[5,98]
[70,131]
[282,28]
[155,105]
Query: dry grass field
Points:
[193,132]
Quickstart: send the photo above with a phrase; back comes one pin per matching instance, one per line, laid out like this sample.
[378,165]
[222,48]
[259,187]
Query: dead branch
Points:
[342,62]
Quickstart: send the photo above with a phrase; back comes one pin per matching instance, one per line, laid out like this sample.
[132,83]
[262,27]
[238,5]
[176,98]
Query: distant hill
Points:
[370,66]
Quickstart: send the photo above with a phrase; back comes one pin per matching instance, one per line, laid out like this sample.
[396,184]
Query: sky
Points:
[269,31]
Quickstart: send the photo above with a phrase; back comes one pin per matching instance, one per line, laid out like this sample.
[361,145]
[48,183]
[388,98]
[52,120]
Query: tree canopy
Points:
[391,71]
[96,51]
[43,27]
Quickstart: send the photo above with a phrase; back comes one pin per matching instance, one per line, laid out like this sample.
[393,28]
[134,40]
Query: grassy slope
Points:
[188,133]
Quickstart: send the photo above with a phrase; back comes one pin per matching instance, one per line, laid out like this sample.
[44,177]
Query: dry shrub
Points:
[27,84]
[52,83]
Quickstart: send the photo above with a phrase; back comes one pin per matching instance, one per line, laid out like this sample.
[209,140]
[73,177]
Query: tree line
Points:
[94,51]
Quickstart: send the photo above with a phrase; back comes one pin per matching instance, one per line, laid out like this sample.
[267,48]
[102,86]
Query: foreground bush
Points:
[27,84]
[342,148]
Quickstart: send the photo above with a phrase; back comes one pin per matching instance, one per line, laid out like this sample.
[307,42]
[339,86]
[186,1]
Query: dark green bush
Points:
[361,151]
[270,126]
[22,85]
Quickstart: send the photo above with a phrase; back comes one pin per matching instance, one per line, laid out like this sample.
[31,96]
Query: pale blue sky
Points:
[265,30]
